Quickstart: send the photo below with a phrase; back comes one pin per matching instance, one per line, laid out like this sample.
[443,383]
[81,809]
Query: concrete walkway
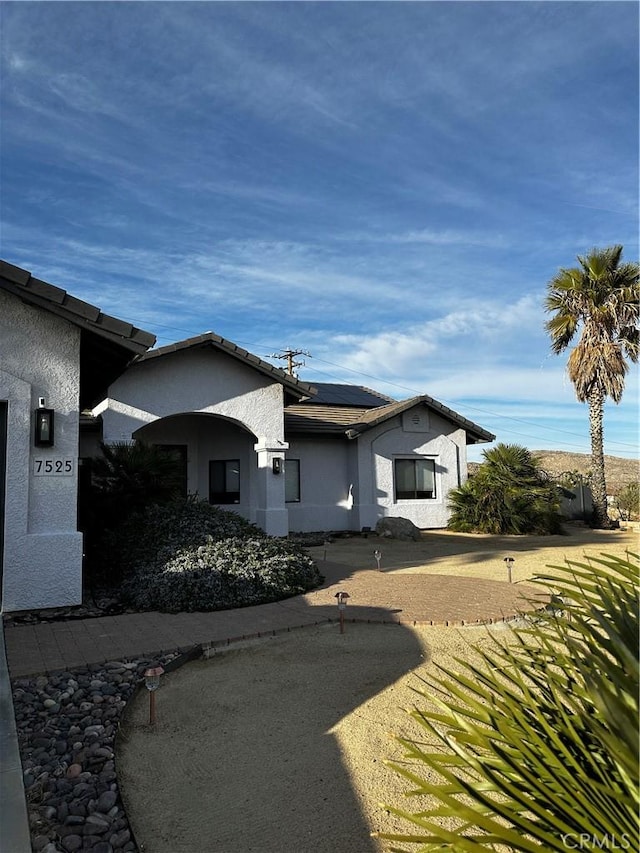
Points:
[374,597]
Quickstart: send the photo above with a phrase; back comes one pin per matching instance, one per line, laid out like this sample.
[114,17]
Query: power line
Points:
[463,405]
[495,414]
[293,353]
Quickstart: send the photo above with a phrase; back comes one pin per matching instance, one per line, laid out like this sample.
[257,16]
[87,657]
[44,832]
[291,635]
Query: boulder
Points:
[398,528]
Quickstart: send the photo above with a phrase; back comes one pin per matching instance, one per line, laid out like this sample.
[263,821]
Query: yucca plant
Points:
[535,747]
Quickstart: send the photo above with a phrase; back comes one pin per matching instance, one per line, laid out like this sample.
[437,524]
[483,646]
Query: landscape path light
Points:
[326,542]
[378,555]
[342,606]
[509,561]
[152,682]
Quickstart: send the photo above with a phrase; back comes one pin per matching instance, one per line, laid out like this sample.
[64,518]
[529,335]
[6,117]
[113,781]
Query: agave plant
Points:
[535,747]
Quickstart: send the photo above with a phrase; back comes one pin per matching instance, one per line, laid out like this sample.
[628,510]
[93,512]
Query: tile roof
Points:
[209,339]
[329,419]
[351,421]
[33,291]
[376,416]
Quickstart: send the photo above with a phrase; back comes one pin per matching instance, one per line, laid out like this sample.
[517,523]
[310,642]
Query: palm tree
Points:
[599,299]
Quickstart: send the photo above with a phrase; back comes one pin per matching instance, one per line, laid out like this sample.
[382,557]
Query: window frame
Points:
[287,463]
[231,497]
[430,460]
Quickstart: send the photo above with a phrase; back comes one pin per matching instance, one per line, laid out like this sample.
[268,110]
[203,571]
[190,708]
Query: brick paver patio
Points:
[374,597]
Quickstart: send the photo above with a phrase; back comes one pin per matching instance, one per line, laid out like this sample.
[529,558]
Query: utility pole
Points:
[290,354]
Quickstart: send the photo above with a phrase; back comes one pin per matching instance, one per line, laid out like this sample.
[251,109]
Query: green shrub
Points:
[125,478]
[510,494]
[157,533]
[628,502]
[222,574]
[188,555]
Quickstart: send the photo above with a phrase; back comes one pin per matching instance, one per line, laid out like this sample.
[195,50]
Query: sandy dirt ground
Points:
[277,746]
[443,552]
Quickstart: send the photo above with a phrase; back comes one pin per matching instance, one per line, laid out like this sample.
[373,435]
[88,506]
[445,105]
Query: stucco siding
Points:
[325,478]
[209,438]
[204,381]
[43,550]
[200,380]
[348,485]
[380,447]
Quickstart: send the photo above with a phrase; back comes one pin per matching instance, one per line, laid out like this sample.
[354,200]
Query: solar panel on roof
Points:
[335,394]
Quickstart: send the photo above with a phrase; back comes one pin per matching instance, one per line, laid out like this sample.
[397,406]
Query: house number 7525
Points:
[53,466]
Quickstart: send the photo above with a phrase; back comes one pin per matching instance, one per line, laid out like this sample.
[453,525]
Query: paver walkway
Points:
[374,597]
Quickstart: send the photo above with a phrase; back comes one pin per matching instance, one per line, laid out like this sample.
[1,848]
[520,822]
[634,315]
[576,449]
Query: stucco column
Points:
[271,512]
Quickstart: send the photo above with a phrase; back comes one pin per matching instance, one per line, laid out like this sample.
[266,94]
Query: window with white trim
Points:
[414,479]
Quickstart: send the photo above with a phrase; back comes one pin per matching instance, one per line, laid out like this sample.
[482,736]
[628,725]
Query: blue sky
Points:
[389,186]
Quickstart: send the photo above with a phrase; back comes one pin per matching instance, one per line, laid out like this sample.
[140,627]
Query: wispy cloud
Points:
[389,186]
[473,334]
[433,237]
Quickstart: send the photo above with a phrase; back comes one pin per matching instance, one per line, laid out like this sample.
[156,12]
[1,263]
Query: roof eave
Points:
[474,432]
[48,297]
[291,383]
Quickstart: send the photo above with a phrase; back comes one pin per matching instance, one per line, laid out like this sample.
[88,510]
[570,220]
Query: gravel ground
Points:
[279,746]
[67,724]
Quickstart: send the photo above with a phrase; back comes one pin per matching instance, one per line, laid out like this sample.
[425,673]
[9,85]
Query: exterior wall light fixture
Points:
[43,436]
[276,465]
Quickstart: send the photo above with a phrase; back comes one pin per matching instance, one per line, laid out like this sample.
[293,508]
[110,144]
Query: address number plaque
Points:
[53,466]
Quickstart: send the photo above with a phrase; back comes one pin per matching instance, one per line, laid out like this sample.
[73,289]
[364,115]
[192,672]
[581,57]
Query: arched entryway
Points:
[217,454]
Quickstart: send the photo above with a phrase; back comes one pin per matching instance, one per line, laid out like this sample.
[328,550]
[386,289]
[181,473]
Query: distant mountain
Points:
[618,470]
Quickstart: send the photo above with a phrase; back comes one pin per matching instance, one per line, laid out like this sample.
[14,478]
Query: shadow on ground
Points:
[243,757]
[448,553]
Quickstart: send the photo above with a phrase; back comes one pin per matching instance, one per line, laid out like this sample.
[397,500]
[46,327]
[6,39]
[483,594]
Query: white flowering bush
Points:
[159,531]
[189,556]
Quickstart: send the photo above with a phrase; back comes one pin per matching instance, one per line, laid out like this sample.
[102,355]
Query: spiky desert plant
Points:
[128,477]
[535,747]
[510,493]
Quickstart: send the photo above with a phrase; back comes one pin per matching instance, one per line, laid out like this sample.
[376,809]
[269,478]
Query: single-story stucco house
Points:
[58,355]
[286,455]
